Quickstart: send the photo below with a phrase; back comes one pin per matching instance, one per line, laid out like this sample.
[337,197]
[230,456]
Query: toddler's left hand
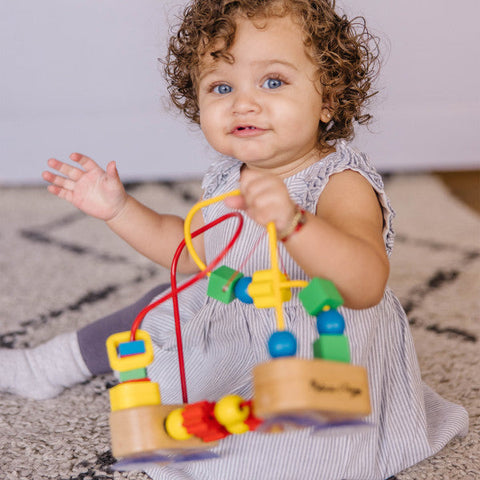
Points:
[264,198]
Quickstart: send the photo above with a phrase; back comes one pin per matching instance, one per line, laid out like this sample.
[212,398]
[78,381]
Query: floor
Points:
[465,185]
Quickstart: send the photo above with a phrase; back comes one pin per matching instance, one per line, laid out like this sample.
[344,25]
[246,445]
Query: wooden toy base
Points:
[139,430]
[331,391]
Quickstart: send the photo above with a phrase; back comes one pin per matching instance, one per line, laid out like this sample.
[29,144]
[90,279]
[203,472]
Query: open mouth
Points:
[247,130]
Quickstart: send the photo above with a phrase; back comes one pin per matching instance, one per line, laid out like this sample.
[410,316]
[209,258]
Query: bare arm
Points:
[101,194]
[154,235]
[342,242]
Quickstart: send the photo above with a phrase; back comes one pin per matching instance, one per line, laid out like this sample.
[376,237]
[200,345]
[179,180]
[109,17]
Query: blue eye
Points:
[222,89]
[272,83]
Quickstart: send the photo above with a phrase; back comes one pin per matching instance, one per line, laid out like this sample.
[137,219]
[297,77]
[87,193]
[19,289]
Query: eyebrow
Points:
[205,71]
[261,63]
[267,63]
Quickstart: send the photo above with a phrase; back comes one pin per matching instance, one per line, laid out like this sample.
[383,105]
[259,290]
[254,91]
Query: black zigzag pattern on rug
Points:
[441,277]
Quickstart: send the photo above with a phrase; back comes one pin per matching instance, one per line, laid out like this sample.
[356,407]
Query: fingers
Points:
[266,198]
[57,181]
[86,162]
[60,192]
[237,202]
[70,174]
[111,170]
[262,190]
[73,173]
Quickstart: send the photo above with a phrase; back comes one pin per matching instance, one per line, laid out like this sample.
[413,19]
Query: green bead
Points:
[332,347]
[136,374]
[320,293]
[217,284]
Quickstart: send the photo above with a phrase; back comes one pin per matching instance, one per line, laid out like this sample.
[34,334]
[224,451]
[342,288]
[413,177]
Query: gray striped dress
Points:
[223,342]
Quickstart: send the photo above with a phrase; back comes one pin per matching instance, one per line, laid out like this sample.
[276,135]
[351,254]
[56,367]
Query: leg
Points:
[92,338]
[67,359]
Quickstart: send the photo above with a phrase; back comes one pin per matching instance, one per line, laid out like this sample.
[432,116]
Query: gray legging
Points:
[92,338]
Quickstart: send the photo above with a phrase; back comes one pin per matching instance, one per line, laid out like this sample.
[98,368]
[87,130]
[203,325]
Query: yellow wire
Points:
[188,222]
[276,279]
[272,237]
[295,284]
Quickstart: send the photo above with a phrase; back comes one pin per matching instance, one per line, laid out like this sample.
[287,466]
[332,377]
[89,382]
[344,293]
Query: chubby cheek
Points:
[213,130]
[286,113]
[296,110]
[300,119]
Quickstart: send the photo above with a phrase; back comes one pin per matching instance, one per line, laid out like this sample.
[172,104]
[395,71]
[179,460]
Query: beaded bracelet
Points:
[297,223]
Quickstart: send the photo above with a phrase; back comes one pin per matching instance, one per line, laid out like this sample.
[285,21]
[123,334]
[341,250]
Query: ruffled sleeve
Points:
[305,188]
[220,176]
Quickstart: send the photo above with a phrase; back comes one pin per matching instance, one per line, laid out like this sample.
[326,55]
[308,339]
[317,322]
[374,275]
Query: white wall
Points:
[427,116]
[82,75]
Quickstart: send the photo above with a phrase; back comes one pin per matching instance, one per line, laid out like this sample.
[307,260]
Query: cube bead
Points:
[135,374]
[320,293]
[221,284]
[131,348]
[332,347]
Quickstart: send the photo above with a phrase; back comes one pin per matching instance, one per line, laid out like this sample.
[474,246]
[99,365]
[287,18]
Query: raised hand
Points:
[95,191]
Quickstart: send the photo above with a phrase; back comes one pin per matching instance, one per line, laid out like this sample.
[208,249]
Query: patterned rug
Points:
[61,270]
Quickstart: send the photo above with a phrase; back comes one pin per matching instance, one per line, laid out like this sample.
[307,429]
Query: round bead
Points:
[241,290]
[282,344]
[330,322]
[229,412]
[174,425]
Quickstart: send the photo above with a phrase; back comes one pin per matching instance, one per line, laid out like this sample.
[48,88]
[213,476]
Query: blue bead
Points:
[131,348]
[241,290]
[330,322]
[282,344]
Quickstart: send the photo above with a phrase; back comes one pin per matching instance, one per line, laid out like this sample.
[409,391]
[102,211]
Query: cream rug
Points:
[61,270]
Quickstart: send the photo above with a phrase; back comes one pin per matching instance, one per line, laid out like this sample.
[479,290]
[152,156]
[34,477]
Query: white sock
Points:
[44,371]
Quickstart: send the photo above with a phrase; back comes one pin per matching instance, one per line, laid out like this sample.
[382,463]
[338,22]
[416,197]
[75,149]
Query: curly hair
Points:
[345,52]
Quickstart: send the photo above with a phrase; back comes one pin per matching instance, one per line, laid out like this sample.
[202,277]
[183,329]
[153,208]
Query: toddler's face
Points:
[264,108]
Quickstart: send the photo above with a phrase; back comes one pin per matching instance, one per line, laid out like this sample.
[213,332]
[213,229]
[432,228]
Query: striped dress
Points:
[223,342]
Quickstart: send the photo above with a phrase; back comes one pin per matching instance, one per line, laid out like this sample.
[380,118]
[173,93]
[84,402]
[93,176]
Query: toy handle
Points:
[188,222]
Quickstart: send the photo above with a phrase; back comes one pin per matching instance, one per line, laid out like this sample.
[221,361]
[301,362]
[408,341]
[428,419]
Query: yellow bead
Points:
[228,411]
[174,425]
[134,394]
[261,288]
[130,362]
[237,428]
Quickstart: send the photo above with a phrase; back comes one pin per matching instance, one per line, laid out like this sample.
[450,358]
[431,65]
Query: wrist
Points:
[296,224]
[120,210]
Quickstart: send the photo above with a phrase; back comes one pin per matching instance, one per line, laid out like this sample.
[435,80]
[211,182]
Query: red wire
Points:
[176,290]
[282,264]
[255,245]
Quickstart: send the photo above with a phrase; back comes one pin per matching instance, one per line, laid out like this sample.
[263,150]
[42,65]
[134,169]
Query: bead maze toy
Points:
[324,390]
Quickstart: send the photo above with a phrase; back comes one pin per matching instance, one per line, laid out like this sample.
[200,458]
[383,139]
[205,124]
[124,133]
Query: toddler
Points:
[276,86]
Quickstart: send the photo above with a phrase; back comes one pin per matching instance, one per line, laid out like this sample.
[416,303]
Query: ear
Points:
[326,114]
[328,107]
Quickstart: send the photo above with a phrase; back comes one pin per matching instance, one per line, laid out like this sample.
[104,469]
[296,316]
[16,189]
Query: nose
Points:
[245,101]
